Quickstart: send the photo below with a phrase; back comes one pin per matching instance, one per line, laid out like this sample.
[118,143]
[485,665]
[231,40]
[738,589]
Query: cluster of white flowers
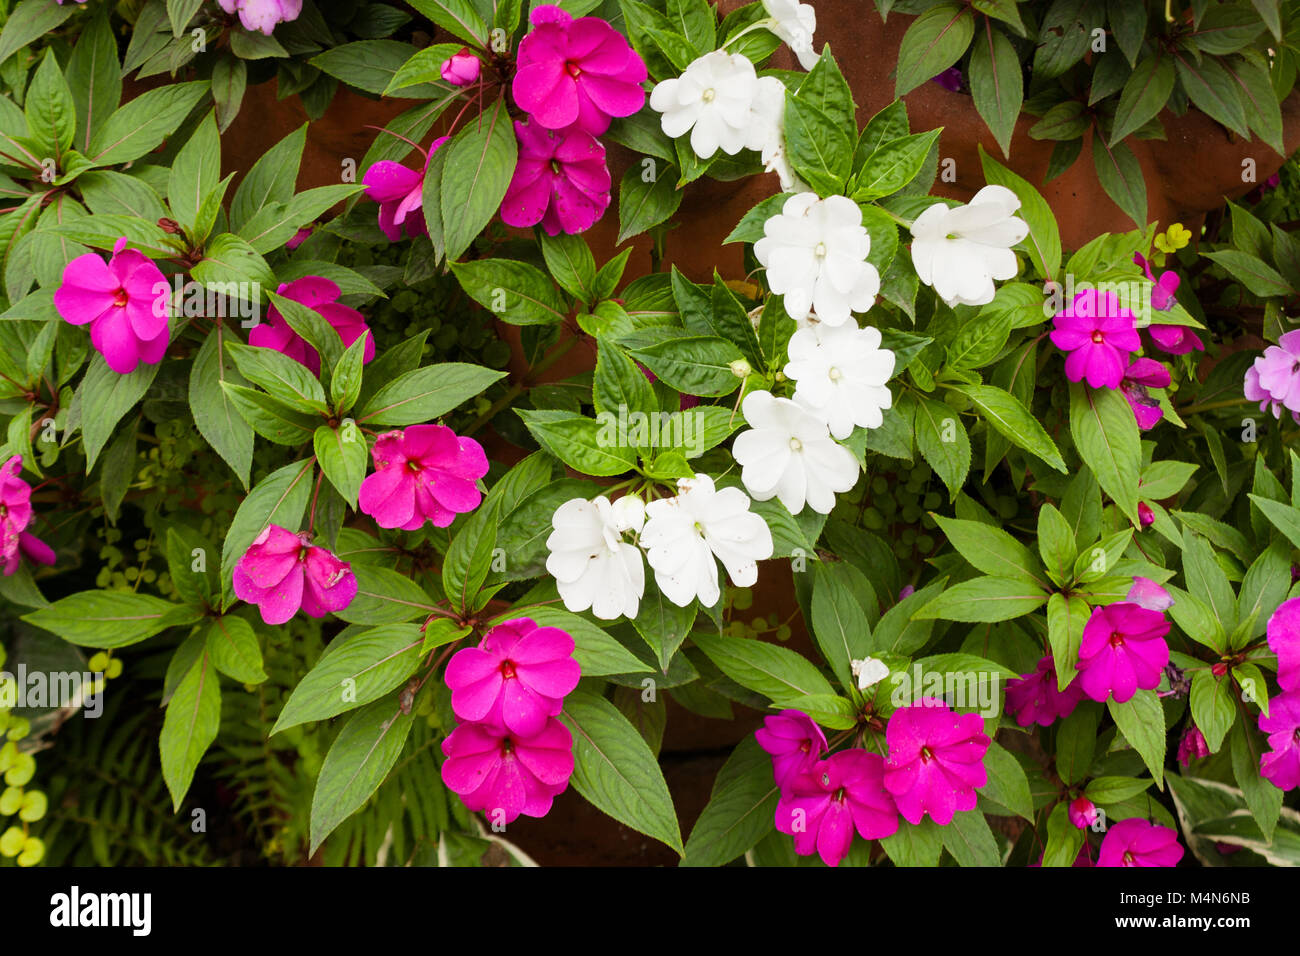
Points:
[594,567]
[960,251]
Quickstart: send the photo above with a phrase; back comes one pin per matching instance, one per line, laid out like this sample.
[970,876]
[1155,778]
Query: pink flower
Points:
[1146,516]
[576,72]
[299,238]
[1123,649]
[1097,332]
[125,301]
[1162,299]
[1192,746]
[16,515]
[321,296]
[461,69]
[505,775]
[936,760]
[262,14]
[399,191]
[844,792]
[1284,641]
[282,571]
[1175,339]
[560,180]
[1274,378]
[517,677]
[1146,593]
[1281,765]
[1142,374]
[1082,812]
[422,473]
[1034,699]
[1135,842]
[794,742]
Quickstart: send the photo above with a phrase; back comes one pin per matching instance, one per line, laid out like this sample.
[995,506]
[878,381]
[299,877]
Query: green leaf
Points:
[780,674]
[970,841]
[28,21]
[614,769]
[218,422]
[619,384]
[425,393]
[1076,740]
[345,383]
[195,174]
[106,618]
[480,161]
[894,165]
[943,442]
[1263,798]
[1010,418]
[1064,839]
[1106,435]
[270,180]
[692,364]
[984,599]
[385,597]
[996,83]
[919,845]
[1066,617]
[1252,272]
[363,668]
[49,108]
[1144,95]
[457,17]
[106,396]
[1008,785]
[271,418]
[1141,720]
[95,78]
[342,455]
[991,549]
[570,261]
[740,809]
[515,292]
[144,122]
[233,649]
[1122,178]
[281,376]
[838,621]
[1213,707]
[590,447]
[468,559]
[1043,243]
[190,726]
[934,41]
[644,204]
[1213,92]
[819,150]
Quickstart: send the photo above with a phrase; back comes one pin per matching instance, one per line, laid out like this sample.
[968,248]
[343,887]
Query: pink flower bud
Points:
[462,68]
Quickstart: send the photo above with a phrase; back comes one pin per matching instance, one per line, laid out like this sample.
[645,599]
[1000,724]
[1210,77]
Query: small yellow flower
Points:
[1174,238]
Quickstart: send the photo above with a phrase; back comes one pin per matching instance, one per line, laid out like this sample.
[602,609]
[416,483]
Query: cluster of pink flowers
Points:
[573,77]
[15,516]
[935,763]
[510,755]
[422,473]
[1274,379]
[282,572]
[1281,765]
[321,296]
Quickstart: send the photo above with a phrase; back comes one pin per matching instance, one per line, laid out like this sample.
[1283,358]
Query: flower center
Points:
[508,670]
[1128,858]
[573,69]
[302,553]
[796,444]
[1116,639]
[838,796]
[807,744]
[1098,337]
[120,298]
[708,95]
[507,746]
[555,166]
[820,251]
[835,374]
[926,754]
[413,466]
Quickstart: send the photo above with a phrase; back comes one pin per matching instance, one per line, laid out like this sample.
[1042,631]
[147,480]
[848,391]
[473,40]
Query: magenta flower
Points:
[1146,516]
[1135,842]
[262,15]
[505,775]
[576,72]
[1192,746]
[1146,593]
[1162,299]
[936,760]
[843,793]
[1175,339]
[399,190]
[1142,374]
[15,515]
[126,302]
[950,79]
[1082,812]
[1034,698]
[1123,649]
[1284,641]
[282,571]
[560,180]
[1274,378]
[321,296]
[1281,765]
[422,473]
[794,742]
[299,238]
[1097,332]
[461,69]
[517,677]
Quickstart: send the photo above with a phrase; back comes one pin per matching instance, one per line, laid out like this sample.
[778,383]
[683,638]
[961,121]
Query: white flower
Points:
[713,99]
[795,24]
[869,672]
[815,251]
[788,453]
[768,137]
[960,251]
[682,536]
[592,565]
[841,373]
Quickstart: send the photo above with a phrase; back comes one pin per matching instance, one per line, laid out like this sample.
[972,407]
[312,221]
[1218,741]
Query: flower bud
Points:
[461,69]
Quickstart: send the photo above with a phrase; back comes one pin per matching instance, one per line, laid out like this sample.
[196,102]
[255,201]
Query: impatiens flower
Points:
[1281,765]
[298,238]
[794,742]
[1146,516]
[1135,842]
[1034,698]
[561,180]
[1162,295]
[840,794]
[788,453]
[1274,378]
[1082,812]
[15,515]
[460,69]
[517,677]
[869,672]
[1192,746]
[840,374]
[794,23]
[767,121]
[262,15]
[1146,593]
[422,473]
[322,297]
[126,302]
[716,99]
[504,775]
[815,251]
[1123,650]
[1142,374]
[684,534]
[960,251]
[282,571]
[1175,339]
[1097,332]
[936,760]
[950,79]
[1284,641]
[592,565]
[576,72]
[399,190]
